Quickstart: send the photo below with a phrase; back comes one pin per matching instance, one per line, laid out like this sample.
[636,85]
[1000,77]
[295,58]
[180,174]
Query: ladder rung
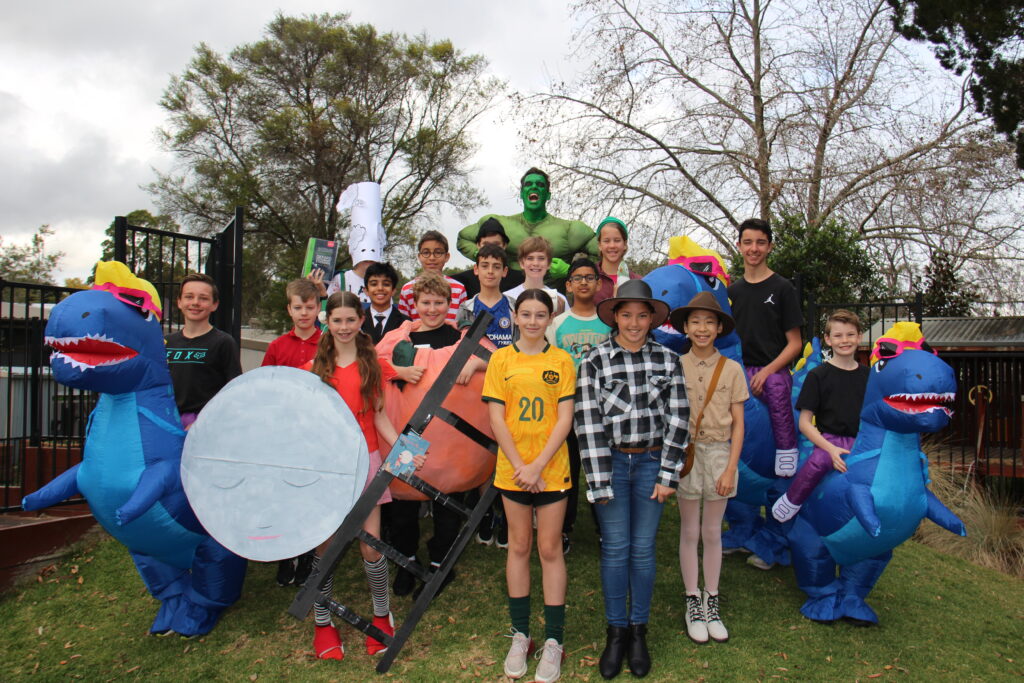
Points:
[343,612]
[467,429]
[411,566]
[442,498]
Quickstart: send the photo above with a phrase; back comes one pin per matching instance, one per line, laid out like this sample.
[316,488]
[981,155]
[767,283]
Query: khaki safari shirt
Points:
[731,388]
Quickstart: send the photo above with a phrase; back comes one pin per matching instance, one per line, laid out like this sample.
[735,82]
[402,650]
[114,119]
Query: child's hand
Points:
[726,483]
[528,478]
[316,276]
[757,382]
[661,493]
[836,453]
[419,461]
[410,373]
[465,375]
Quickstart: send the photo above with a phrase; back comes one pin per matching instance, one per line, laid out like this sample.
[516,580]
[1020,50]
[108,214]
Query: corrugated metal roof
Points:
[953,332]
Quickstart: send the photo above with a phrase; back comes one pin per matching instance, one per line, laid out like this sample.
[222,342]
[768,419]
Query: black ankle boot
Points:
[614,651]
[639,657]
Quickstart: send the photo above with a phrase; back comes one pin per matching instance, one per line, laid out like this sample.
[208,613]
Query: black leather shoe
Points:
[404,582]
[614,651]
[639,657]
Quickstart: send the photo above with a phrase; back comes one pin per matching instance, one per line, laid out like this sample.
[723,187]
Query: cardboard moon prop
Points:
[274,463]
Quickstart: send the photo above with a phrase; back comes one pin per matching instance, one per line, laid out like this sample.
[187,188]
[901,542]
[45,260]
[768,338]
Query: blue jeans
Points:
[629,527]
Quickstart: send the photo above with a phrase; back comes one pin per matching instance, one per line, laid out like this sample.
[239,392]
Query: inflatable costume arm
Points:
[63,487]
[155,481]
[941,515]
[863,505]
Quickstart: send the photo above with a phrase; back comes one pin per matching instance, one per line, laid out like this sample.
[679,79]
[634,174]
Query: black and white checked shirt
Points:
[630,400]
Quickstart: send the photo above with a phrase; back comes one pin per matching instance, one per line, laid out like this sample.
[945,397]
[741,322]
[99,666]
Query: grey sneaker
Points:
[518,654]
[696,627]
[716,629]
[550,667]
[755,561]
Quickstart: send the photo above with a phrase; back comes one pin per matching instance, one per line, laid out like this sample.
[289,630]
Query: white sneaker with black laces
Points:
[716,629]
[550,667]
[518,654]
[696,626]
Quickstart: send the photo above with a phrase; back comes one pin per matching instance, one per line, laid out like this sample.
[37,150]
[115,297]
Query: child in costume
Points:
[491,267]
[382,315]
[345,359]
[717,388]
[631,419]
[432,252]
[530,387]
[294,349]
[829,406]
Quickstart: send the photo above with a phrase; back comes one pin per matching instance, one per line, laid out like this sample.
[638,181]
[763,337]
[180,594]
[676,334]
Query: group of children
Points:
[571,385]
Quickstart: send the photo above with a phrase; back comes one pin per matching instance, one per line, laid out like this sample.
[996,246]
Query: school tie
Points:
[378,328]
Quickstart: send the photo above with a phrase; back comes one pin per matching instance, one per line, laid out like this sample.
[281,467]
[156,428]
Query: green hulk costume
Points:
[567,238]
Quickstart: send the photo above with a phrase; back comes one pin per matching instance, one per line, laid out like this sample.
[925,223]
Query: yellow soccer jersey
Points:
[531,387]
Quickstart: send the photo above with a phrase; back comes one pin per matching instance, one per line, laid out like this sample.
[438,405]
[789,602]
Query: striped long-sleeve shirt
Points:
[630,399]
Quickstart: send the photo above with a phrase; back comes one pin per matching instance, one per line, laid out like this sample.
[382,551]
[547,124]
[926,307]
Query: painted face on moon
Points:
[274,463]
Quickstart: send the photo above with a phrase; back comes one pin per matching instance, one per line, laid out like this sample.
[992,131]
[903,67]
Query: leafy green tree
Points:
[985,37]
[947,293]
[31,262]
[283,125]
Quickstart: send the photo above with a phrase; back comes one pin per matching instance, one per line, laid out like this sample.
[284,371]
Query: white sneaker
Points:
[550,667]
[784,510]
[755,561]
[716,629]
[785,462]
[696,627]
[518,654]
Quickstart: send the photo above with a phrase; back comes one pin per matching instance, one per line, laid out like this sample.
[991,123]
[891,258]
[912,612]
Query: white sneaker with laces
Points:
[518,654]
[550,667]
[696,627]
[784,510]
[716,629]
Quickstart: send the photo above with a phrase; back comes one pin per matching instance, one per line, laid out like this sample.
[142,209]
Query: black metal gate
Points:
[164,258]
[870,312]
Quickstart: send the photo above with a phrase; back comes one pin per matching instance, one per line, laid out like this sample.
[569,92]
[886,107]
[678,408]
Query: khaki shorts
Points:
[709,461]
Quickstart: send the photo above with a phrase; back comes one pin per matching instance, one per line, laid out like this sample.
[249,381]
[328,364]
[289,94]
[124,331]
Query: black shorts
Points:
[534,499]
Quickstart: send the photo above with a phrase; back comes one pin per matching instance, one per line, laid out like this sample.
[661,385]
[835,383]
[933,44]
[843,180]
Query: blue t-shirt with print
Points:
[500,330]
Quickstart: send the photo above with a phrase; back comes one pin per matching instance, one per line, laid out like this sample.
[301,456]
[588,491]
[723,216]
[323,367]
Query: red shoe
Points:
[386,624]
[327,643]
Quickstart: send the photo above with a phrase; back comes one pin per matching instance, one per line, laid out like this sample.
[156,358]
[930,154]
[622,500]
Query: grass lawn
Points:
[942,619]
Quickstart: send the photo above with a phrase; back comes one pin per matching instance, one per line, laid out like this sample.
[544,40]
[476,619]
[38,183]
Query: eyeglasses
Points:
[436,253]
[887,347]
[583,278]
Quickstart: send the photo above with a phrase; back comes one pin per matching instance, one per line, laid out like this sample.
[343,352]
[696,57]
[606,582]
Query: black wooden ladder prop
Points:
[351,528]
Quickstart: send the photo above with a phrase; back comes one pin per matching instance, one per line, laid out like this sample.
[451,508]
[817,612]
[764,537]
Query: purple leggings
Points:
[816,467]
[777,395]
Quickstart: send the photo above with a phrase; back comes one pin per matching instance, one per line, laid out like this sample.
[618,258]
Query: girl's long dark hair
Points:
[324,362]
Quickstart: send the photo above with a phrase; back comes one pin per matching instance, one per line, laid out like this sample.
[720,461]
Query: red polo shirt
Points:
[290,350]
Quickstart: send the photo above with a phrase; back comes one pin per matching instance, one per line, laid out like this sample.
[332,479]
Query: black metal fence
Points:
[43,423]
[164,258]
[870,313]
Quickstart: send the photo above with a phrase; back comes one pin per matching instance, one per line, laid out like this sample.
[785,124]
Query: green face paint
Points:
[535,196]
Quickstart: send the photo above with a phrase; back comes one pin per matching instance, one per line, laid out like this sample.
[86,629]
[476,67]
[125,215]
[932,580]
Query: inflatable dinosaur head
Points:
[910,388]
[690,269]
[108,338]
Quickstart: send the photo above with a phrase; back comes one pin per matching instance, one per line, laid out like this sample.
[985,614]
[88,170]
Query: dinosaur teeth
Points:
[924,402]
[89,351]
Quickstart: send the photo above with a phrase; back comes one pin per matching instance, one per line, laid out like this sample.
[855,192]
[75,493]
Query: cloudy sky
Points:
[80,82]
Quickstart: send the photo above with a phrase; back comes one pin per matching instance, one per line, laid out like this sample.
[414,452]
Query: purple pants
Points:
[814,469]
[777,395]
[188,418]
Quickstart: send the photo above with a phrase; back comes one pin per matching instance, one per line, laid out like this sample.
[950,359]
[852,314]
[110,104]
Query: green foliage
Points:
[30,263]
[832,262]
[283,125]
[985,37]
[947,293]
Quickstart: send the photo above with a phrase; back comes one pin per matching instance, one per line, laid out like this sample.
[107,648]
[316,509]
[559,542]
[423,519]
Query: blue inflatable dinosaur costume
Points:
[855,519]
[108,339]
[692,269]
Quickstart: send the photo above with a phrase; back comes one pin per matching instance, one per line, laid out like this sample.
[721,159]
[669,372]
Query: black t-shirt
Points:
[200,367]
[469,280]
[835,396]
[764,311]
[443,336]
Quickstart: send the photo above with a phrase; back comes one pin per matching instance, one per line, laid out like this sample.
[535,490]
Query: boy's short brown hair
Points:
[199,277]
[843,316]
[302,288]
[534,244]
[493,251]
[431,283]
[432,236]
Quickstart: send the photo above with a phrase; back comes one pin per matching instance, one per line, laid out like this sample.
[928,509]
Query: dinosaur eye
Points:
[888,350]
[713,282]
[879,365]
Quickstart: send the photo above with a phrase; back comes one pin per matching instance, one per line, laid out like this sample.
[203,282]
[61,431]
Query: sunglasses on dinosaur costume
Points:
[887,347]
[705,265]
[136,298]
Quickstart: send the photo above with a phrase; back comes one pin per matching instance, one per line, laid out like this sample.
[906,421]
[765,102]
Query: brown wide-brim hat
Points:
[704,301]
[633,290]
